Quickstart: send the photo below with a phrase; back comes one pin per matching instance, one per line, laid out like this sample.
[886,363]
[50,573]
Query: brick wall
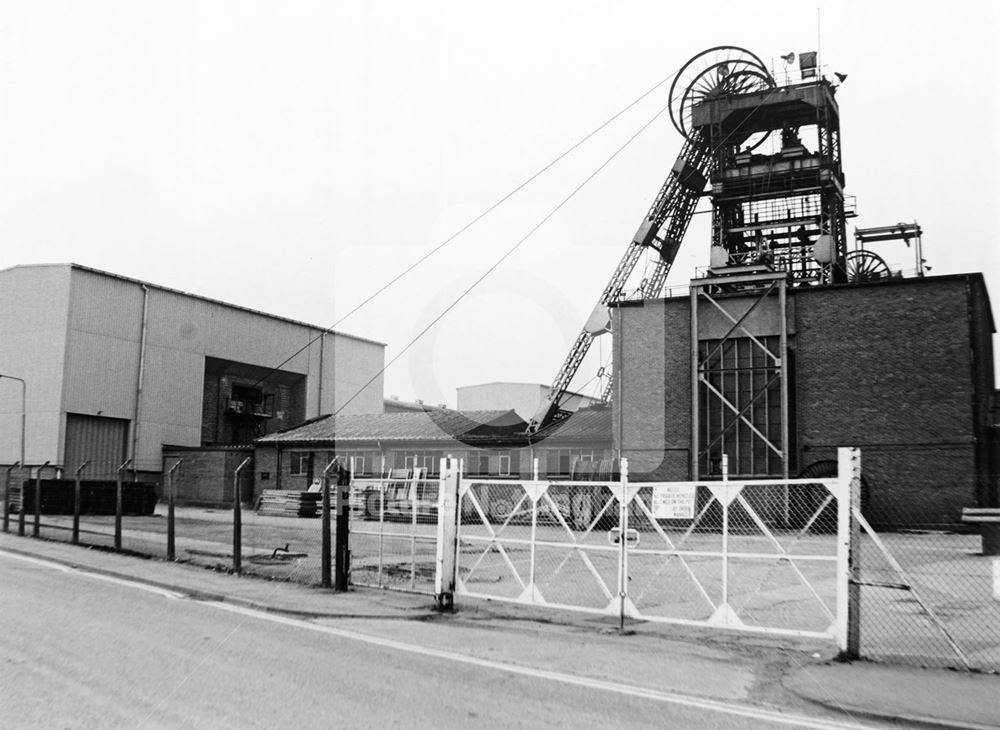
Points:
[903,370]
[206,476]
[654,343]
[888,368]
[222,428]
[210,409]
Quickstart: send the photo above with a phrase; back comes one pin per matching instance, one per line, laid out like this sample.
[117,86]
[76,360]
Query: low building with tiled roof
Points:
[373,443]
[490,442]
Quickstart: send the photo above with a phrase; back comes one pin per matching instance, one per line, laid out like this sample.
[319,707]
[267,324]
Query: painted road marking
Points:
[674,698]
[164,592]
[729,708]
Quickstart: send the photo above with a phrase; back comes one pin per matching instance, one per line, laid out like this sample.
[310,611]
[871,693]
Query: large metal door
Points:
[101,440]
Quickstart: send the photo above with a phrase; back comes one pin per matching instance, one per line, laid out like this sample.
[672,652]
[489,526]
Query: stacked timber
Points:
[281,503]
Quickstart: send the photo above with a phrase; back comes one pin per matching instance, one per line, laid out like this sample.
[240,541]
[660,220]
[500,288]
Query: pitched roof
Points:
[180,292]
[586,424]
[433,425]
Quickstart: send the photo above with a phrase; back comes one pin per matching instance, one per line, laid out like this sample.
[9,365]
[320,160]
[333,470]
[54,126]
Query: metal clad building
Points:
[117,367]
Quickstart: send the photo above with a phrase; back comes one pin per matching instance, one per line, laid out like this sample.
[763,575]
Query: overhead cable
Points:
[527,181]
[506,255]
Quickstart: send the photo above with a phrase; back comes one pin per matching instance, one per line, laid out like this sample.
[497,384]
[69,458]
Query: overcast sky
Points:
[294,156]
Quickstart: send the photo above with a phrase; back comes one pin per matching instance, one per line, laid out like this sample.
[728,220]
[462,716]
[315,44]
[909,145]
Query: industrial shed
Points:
[902,368]
[118,368]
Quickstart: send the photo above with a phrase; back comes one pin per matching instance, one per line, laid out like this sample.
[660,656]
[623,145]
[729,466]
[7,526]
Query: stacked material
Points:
[280,503]
[96,497]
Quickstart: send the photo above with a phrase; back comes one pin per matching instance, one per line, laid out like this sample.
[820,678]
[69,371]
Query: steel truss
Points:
[739,377]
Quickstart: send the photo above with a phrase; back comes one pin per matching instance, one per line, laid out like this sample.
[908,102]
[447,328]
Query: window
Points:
[739,405]
[567,461]
[426,460]
[247,395]
[299,463]
[504,465]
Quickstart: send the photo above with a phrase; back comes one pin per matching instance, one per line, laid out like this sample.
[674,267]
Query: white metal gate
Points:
[393,526]
[766,556]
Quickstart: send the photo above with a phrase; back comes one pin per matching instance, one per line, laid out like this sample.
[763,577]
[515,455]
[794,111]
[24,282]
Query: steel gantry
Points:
[719,72]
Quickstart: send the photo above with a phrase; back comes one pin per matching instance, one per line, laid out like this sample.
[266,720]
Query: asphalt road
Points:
[81,651]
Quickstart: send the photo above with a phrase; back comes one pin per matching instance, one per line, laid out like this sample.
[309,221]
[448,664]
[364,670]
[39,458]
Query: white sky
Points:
[294,156]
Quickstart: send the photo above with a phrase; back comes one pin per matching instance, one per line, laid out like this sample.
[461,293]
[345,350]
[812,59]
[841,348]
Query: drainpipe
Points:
[319,390]
[138,385]
[277,466]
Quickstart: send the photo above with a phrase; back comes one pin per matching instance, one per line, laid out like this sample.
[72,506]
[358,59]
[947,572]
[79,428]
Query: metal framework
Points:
[719,558]
[785,209]
[739,375]
[900,232]
[782,211]
[723,71]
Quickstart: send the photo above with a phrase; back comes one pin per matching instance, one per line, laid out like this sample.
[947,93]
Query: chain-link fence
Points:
[97,503]
[756,556]
[539,543]
[130,508]
[929,596]
[753,556]
[394,531]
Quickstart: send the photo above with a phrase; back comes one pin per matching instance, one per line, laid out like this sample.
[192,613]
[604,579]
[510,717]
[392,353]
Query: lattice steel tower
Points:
[777,185]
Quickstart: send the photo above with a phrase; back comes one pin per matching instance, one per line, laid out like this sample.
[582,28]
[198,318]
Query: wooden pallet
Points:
[281,503]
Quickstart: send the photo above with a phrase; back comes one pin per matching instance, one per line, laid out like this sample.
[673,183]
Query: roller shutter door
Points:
[101,440]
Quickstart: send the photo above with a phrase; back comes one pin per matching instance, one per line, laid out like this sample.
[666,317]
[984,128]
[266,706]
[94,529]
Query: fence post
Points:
[37,527]
[725,530]
[20,511]
[238,519]
[447,536]
[325,569]
[171,545]
[6,496]
[76,502]
[848,553]
[118,503]
[342,564]
[622,543]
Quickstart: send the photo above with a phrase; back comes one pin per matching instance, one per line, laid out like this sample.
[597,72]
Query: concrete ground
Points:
[763,672]
[947,571]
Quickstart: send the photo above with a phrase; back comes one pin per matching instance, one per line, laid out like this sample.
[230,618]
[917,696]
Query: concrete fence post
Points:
[848,553]
[37,527]
[171,497]
[118,503]
[6,495]
[24,479]
[447,535]
[76,501]
[238,518]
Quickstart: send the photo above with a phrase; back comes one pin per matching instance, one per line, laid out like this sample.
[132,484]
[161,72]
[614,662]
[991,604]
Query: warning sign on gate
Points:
[673,502]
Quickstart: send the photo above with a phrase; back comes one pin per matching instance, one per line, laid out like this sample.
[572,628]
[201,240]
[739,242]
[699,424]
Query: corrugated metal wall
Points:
[101,440]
